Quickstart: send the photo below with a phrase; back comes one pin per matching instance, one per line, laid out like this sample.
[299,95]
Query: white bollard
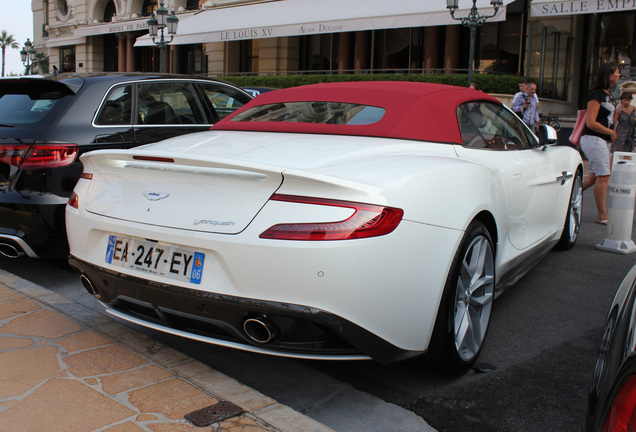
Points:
[620,205]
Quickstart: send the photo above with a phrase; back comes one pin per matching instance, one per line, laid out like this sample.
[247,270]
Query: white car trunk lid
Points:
[178,192]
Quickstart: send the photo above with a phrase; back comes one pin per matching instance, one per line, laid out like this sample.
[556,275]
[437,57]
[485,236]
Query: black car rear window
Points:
[27,102]
[21,110]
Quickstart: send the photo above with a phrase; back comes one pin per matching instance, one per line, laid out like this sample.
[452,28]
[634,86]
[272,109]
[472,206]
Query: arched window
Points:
[110,11]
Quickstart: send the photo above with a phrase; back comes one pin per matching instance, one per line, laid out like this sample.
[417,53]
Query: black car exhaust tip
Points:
[10,251]
[260,329]
[89,286]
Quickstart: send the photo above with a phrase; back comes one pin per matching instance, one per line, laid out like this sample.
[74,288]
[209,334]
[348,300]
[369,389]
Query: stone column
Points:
[360,56]
[130,54]
[121,52]
[174,59]
[344,53]
[431,48]
[451,50]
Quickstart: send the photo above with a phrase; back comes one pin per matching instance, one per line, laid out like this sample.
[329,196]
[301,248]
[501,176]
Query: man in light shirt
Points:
[526,105]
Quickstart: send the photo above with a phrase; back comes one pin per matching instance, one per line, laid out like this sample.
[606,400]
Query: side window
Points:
[491,126]
[116,108]
[172,103]
[224,99]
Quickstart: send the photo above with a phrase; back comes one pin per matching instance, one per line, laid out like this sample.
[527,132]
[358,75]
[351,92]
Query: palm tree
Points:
[41,63]
[6,40]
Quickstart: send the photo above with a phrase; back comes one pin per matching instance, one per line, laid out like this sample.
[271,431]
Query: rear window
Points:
[28,102]
[19,110]
[313,112]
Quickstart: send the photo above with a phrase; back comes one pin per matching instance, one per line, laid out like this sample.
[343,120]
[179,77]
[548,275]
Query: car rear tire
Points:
[466,305]
[572,222]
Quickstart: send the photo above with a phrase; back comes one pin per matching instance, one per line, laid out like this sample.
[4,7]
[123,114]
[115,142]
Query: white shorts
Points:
[597,151]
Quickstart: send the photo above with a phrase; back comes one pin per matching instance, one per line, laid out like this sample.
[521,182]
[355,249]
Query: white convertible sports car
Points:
[332,221]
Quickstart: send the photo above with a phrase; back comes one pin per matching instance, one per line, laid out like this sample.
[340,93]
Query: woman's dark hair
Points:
[603,76]
[626,95]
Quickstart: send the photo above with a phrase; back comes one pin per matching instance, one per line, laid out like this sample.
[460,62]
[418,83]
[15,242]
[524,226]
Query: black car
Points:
[46,122]
[612,401]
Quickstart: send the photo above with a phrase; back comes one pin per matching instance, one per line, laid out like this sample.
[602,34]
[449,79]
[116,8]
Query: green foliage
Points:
[505,84]
[6,41]
[41,63]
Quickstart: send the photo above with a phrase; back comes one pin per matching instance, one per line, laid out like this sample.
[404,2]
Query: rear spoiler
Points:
[39,87]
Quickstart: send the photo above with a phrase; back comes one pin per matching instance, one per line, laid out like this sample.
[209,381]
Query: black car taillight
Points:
[38,155]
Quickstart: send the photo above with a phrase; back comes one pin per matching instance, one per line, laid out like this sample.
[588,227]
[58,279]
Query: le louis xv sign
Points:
[581,7]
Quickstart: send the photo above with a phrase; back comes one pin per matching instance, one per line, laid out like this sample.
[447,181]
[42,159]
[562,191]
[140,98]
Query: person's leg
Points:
[589,180]
[600,194]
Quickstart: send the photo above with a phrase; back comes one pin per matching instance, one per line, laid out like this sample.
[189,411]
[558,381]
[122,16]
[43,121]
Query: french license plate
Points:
[155,258]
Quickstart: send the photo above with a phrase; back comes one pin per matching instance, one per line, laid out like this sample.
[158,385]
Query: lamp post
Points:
[157,25]
[27,55]
[472,21]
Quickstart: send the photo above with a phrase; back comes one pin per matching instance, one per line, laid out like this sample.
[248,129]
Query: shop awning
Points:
[548,8]
[280,18]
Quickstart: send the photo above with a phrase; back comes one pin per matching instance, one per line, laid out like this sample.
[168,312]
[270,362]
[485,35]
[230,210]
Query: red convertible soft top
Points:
[417,111]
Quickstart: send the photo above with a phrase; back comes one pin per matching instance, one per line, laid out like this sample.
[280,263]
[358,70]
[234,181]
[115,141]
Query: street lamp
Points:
[472,21]
[157,25]
[27,55]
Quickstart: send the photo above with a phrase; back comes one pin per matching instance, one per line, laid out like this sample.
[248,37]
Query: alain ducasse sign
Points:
[553,8]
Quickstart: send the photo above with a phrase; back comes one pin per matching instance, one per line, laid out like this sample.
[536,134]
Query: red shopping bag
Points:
[575,137]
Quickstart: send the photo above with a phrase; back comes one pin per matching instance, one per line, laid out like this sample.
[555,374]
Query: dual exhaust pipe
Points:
[10,251]
[258,328]
[90,287]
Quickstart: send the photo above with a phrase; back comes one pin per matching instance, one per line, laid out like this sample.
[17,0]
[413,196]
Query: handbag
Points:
[575,137]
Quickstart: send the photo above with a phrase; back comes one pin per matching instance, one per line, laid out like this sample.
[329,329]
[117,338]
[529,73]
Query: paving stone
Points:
[103,360]
[7,342]
[113,384]
[84,340]
[9,295]
[21,370]
[173,398]
[179,427]
[63,405]
[17,307]
[41,323]
[125,427]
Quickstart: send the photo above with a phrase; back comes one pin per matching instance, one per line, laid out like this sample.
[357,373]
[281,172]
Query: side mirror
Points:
[547,135]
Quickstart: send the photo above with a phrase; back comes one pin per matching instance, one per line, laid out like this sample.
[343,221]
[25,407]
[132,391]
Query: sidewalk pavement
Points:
[65,367]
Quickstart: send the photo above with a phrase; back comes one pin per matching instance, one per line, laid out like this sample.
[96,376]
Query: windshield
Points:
[313,112]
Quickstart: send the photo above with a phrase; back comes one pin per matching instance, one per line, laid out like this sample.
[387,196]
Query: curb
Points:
[264,409]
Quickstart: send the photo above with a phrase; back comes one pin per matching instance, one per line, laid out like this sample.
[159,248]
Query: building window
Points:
[549,56]
[149,7]
[319,52]
[67,59]
[110,11]
[62,10]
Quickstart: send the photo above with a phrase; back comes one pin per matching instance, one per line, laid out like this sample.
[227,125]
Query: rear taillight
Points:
[73,201]
[366,221]
[622,415]
[38,155]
